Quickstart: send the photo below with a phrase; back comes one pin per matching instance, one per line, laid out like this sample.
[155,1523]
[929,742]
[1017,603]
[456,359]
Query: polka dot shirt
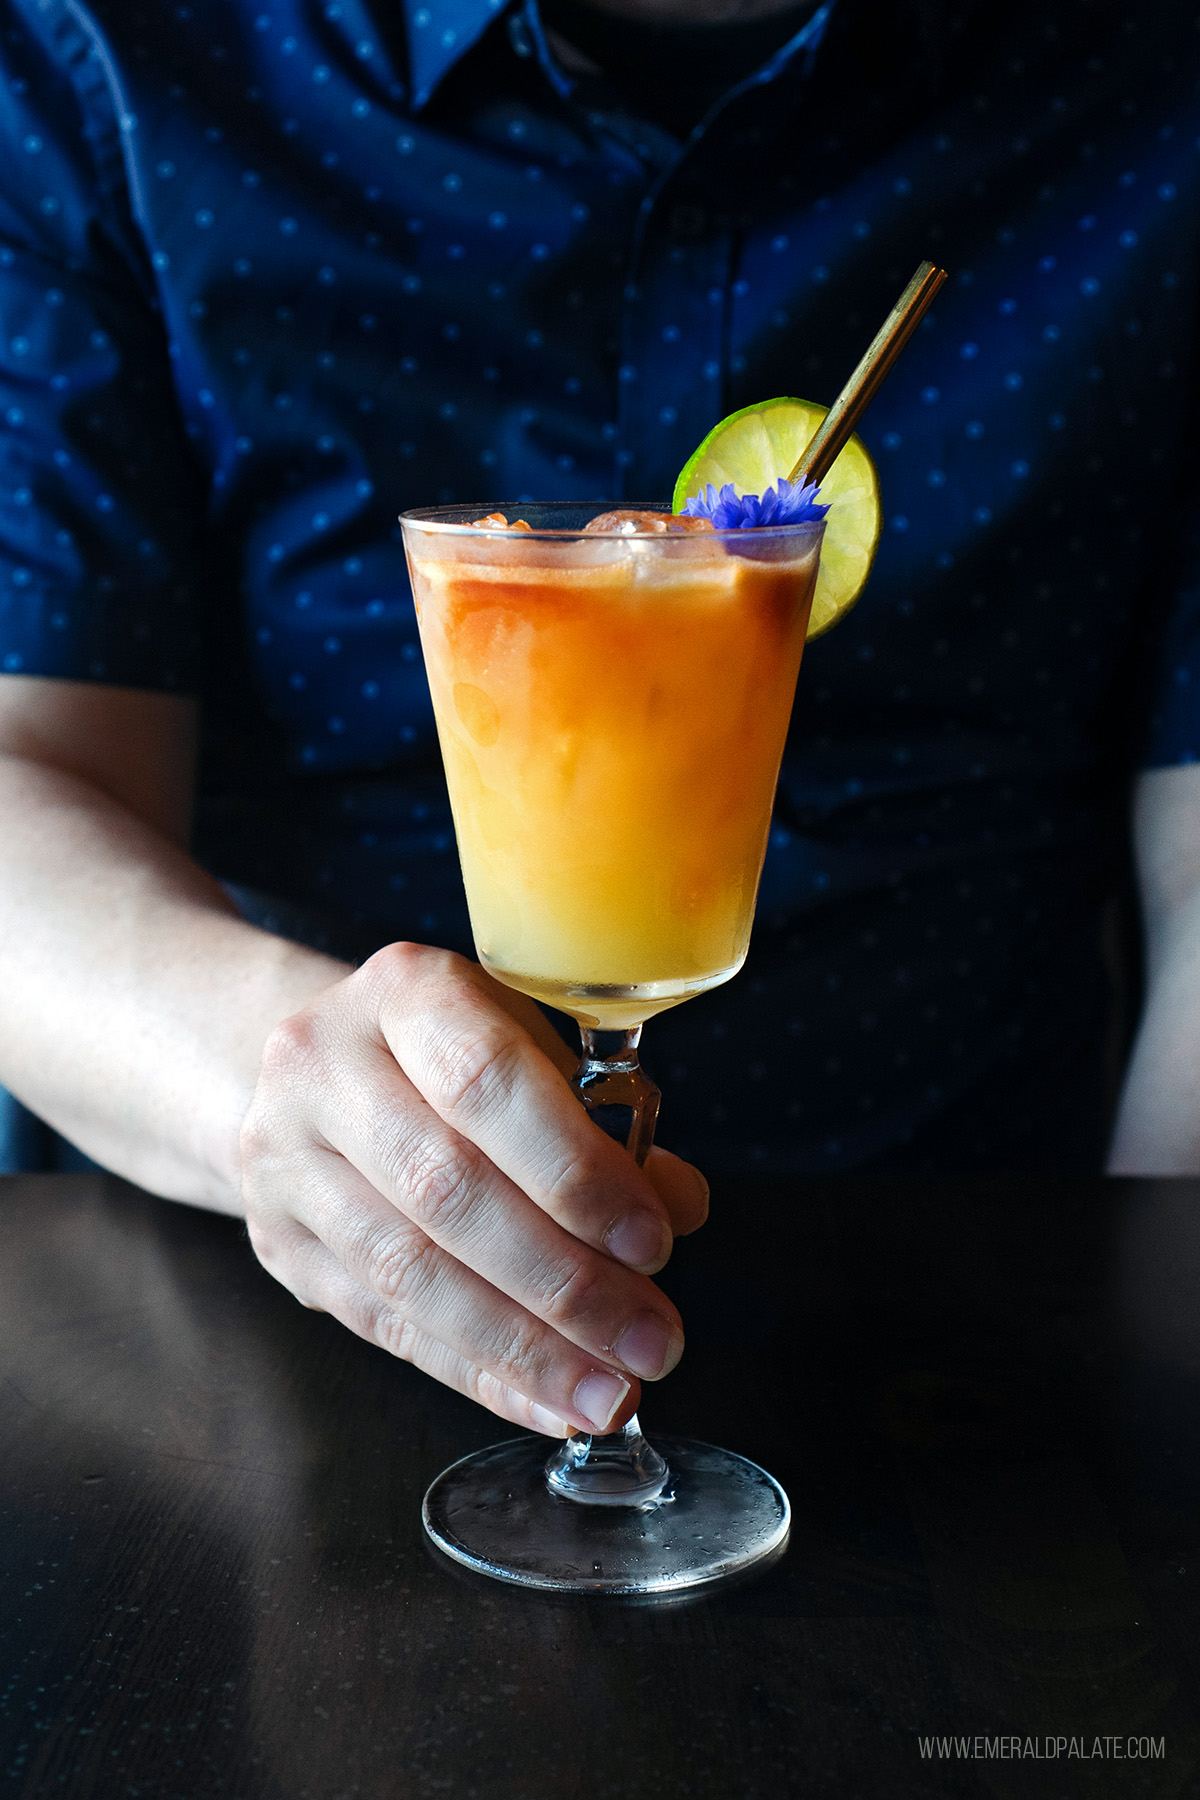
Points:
[272,272]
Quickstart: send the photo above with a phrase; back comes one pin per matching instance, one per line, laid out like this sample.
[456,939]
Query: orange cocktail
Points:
[612,711]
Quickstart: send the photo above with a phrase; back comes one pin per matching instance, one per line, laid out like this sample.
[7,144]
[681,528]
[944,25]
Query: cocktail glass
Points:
[612,709]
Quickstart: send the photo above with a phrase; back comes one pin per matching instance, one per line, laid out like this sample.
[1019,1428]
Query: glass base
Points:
[717,1516]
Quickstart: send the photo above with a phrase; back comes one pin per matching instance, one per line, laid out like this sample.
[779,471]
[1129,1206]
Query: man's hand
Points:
[411,1158]
[416,1165]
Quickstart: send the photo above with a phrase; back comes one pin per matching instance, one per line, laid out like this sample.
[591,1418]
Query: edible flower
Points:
[782,504]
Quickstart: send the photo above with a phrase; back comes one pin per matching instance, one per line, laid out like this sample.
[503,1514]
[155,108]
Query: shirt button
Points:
[687,220]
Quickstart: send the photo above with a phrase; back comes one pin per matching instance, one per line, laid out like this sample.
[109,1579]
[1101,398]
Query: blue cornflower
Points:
[782,504]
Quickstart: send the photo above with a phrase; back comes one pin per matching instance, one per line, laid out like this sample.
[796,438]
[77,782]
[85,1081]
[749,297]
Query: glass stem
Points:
[619,1468]
[609,1076]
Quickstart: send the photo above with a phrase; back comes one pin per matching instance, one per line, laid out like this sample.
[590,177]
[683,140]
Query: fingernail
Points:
[545,1420]
[640,1240]
[649,1346]
[704,1187]
[598,1397]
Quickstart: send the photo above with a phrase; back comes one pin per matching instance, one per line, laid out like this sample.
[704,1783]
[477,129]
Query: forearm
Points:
[1158,1121]
[135,1001]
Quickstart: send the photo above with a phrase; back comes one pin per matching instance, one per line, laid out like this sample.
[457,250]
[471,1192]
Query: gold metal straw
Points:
[839,422]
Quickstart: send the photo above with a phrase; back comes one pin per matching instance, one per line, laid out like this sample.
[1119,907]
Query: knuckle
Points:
[400,1266]
[498,1396]
[396,1334]
[582,1179]
[274,1243]
[294,1062]
[470,1072]
[572,1294]
[505,1401]
[366,1315]
[394,962]
[402,965]
[515,1354]
[483,1387]
[437,1186]
[292,1047]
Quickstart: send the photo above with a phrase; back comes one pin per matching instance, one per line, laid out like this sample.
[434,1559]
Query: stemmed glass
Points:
[612,706]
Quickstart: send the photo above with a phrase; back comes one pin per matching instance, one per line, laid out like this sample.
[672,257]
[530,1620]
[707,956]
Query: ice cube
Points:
[626,524]
[631,523]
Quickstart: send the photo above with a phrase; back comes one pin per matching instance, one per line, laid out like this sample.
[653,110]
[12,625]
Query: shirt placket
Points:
[674,332]
[677,354]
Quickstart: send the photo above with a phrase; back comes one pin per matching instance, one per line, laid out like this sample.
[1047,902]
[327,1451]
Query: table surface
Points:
[983,1398]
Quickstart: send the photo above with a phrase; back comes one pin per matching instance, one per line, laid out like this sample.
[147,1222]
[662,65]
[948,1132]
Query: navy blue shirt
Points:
[271,272]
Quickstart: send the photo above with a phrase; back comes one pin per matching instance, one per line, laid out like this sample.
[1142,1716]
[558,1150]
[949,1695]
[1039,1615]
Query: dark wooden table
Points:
[983,1398]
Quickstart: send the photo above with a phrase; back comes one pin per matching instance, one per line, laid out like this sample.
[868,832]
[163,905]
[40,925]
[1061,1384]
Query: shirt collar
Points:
[439,32]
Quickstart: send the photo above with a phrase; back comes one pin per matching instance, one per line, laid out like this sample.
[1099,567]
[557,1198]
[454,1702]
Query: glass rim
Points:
[443,519]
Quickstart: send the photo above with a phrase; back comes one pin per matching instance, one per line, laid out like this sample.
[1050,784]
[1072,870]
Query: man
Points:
[268,275]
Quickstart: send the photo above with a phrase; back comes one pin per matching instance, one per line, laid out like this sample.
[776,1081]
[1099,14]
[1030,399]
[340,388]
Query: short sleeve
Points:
[101,498]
